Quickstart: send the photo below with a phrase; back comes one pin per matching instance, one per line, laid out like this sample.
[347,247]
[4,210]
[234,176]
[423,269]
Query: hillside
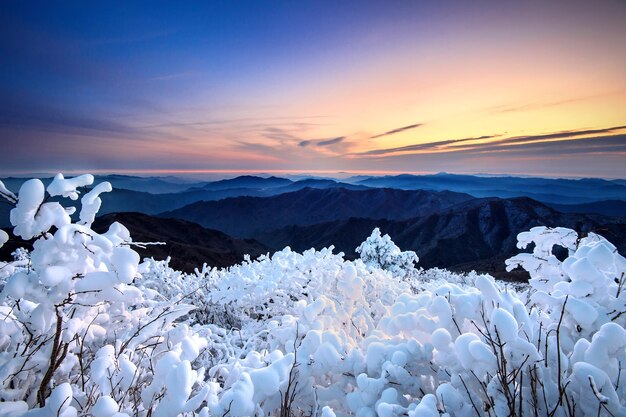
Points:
[249,216]
[607,208]
[478,234]
[189,244]
[547,190]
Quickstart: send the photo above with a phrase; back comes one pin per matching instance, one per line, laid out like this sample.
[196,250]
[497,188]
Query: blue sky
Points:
[345,86]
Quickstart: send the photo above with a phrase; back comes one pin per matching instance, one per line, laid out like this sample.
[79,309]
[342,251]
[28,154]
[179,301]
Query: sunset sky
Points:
[528,87]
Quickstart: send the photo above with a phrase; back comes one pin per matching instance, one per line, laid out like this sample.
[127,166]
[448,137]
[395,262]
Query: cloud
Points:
[424,146]
[614,144]
[509,108]
[37,119]
[565,134]
[596,156]
[600,155]
[322,142]
[256,123]
[398,130]
[459,145]
[280,135]
[257,148]
[331,141]
[23,112]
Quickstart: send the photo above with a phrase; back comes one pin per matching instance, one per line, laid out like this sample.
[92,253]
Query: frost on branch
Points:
[4,238]
[543,266]
[380,252]
[31,216]
[79,334]
[6,194]
[68,187]
[91,203]
[86,329]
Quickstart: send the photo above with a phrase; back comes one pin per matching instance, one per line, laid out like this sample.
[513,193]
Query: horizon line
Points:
[155,172]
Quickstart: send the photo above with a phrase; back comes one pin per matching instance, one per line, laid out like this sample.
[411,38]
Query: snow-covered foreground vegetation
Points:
[88,329]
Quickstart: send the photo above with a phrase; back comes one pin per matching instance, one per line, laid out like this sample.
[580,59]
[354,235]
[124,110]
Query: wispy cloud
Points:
[322,142]
[281,135]
[541,104]
[268,124]
[397,130]
[613,145]
[565,134]
[463,145]
[424,146]
[28,114]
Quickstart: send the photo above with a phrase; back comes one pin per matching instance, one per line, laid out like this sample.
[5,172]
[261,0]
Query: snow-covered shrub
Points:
[379,252]
[479,349]
[76,334]
[591,279]
[86,329]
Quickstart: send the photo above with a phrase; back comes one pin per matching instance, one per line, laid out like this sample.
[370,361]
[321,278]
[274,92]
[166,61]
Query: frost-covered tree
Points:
[79,334]
[380,252]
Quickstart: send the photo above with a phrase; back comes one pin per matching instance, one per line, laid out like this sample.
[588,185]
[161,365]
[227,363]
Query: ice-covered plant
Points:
[452,348]
[380,252]
[77,335]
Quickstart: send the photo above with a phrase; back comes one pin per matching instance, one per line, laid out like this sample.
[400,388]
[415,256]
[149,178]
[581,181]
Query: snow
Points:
[105,407]
[60,186]
[4,238]
[31,197]
[328,412]
[370,337]
[13,408]
[57,404]
[54,275]
[7,194]
[504,325]
[380,252]
[91,202]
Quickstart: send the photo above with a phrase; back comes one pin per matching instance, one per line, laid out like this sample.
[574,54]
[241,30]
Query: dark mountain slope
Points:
[189,244]
[477,234]
[549,190]
[247,181]
[121,200]
[607,208]
[316,183]
[248,216]
[126,200]
[154,185]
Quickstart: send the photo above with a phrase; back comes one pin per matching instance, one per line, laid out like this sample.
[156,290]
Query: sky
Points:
[506,87]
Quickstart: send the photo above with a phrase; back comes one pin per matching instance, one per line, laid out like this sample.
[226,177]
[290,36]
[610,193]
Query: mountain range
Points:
[446,229]
[443,217]
[478,234]
[249,216]
[188,244]
[153,195]
[546,190]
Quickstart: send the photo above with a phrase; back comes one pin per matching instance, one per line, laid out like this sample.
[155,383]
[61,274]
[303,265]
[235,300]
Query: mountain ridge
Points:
[247,216]
[468,235]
